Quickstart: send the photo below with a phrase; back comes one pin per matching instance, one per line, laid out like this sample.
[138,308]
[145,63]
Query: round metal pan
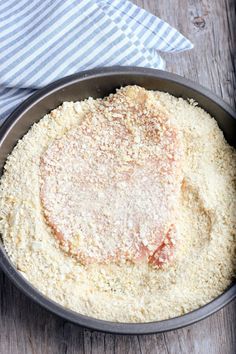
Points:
[99,83]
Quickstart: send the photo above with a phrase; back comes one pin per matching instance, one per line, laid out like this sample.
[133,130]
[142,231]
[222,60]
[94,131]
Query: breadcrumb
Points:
[204,262]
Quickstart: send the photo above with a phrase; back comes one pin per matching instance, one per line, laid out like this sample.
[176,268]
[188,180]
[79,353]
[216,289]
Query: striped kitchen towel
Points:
[44,40]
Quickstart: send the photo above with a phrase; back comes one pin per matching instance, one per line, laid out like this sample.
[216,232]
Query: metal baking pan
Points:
[99,83]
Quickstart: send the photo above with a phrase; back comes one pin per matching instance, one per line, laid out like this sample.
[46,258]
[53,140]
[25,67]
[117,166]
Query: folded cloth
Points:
[41,41]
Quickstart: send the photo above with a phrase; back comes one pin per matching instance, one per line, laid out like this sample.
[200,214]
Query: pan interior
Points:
[79,88]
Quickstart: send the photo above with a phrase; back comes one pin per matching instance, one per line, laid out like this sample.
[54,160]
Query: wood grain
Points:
[27,328]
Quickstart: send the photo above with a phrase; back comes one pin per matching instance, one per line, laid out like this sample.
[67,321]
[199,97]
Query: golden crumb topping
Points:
[110,188]
[91,164]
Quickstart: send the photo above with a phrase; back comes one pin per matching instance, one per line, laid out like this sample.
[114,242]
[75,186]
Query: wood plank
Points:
[27,328]
[209,25]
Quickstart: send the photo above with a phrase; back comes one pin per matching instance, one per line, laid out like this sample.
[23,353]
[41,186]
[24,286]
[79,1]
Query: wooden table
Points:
[27,328]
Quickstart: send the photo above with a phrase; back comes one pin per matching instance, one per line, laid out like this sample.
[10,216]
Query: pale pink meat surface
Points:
[110,187]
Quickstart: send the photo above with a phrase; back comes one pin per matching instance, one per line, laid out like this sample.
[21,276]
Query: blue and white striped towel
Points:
[41,41]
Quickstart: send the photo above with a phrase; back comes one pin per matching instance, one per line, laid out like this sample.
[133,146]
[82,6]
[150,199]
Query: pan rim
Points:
[89,322]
